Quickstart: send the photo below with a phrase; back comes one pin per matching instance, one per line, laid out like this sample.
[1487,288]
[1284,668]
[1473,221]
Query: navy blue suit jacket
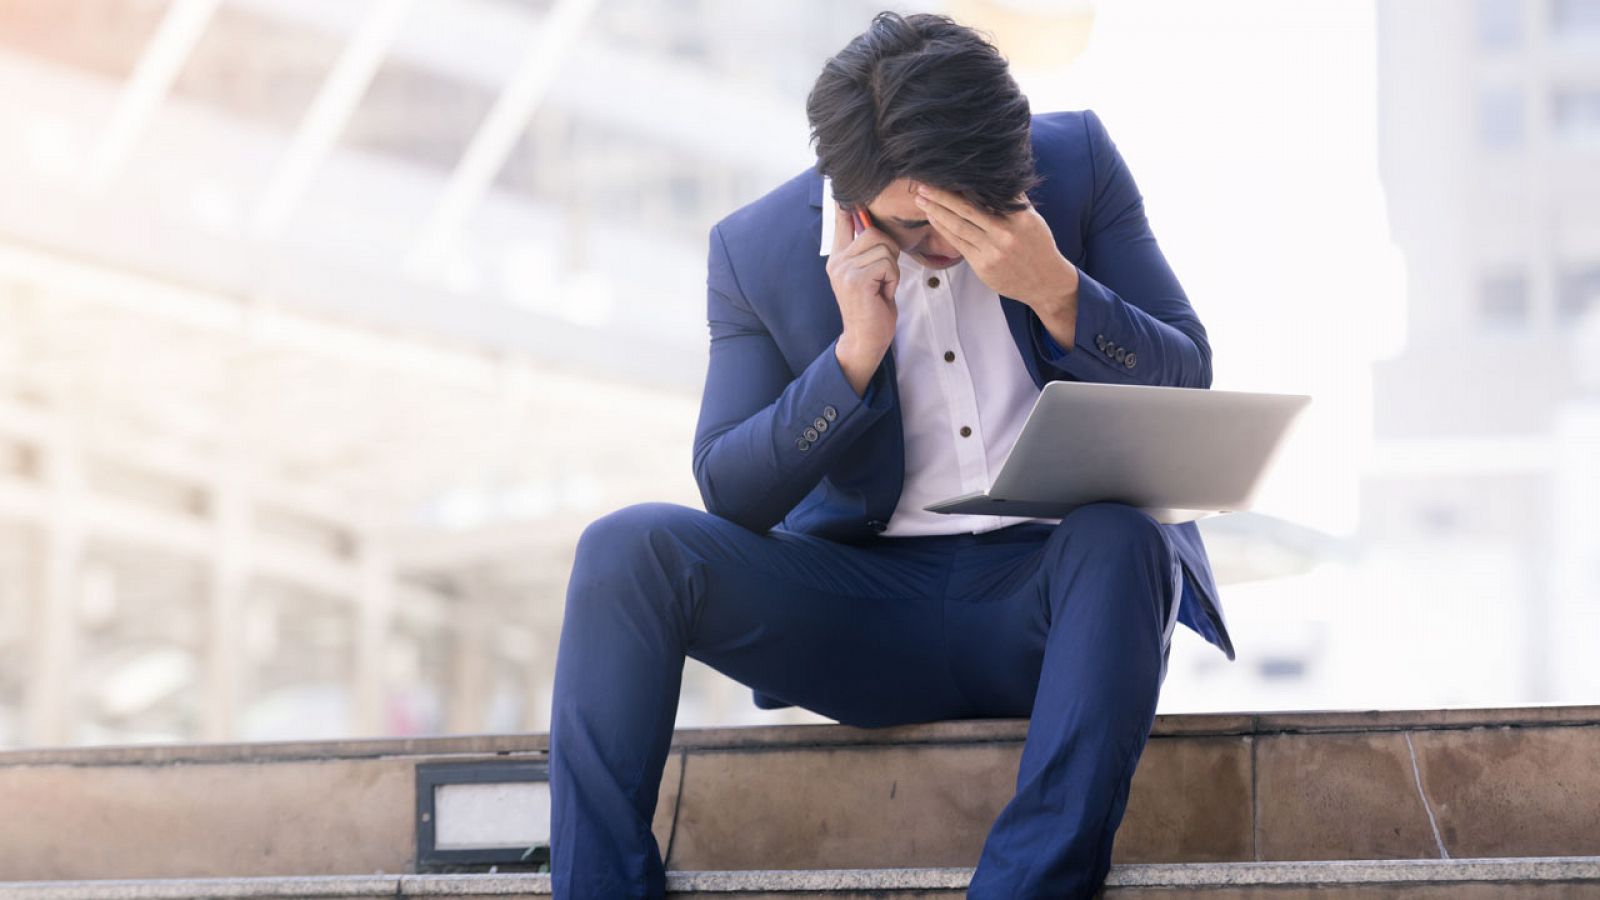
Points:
[773,374]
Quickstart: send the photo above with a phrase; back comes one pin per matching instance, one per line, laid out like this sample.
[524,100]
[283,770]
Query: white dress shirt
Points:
[964,391]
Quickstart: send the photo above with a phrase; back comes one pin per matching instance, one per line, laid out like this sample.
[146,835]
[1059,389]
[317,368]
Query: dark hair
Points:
[922,97]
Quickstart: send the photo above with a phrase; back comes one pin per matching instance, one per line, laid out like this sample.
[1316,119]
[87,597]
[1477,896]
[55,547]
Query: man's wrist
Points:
[1059,316]
[1058,313]
[858,364]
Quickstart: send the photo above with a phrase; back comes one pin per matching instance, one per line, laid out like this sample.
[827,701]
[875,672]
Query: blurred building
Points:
[326,327]
[1483,493]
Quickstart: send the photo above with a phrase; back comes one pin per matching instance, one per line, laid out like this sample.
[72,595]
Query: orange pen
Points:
[862,218]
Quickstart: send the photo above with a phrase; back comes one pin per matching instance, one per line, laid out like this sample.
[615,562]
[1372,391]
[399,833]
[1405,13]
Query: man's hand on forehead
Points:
[1014,253]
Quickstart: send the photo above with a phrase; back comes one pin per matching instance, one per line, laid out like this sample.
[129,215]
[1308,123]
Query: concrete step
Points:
[1467,879]
[1222,788]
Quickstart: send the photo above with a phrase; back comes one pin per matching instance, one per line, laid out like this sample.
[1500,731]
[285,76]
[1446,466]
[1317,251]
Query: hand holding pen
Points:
[864,270]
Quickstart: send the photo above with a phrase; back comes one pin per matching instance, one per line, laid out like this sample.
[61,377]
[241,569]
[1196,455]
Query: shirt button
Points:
[934,281]
[949,356]
[965,431]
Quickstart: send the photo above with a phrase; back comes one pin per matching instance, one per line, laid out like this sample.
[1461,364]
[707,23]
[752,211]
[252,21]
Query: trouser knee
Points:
[634,559]
[1116,537]
[1116,526]
[628,536]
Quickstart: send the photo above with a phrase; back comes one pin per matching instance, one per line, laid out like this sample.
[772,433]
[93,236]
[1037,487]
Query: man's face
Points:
[895,211]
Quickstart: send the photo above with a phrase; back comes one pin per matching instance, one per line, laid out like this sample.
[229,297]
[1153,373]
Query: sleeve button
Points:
[1122,354]
[820,424]
[802,445]
[810,433]
[1130,360]
[830,413]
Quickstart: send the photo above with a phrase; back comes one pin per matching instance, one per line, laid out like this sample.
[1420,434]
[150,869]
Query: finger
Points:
[959,205]
[889,285]
[877,238]
[888,282]
[866,240]
[955,229]
[873,256]
[843,231]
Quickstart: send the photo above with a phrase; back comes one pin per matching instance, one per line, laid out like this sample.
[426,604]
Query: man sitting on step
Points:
[847,389]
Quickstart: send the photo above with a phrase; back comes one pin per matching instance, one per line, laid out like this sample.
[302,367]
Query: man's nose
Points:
[938,246]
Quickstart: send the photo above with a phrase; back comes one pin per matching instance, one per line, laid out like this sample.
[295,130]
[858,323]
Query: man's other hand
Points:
[864,272]
[1014,254]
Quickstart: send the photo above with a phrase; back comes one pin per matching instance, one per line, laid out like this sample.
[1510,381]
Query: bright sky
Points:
[1250,127]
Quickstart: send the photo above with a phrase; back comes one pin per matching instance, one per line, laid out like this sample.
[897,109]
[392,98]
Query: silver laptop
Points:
[1177,453]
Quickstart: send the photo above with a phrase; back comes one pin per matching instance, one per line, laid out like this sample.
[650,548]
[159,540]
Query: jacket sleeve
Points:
[1135,324]
[766,435]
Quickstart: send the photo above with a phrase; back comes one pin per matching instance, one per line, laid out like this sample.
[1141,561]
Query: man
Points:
[847,390]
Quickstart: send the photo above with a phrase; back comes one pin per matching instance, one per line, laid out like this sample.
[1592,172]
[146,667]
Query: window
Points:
[1578,292]
[1282,668]
[1500,116]
[685,190]
[1575,19]
[1503,300]
[1438,518]
[1576,114]
[1499,24]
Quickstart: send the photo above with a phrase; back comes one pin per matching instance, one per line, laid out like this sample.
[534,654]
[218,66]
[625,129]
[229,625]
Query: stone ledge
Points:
[1567,870]
[971,731]
[1359,871]
[320,886]
[903,798]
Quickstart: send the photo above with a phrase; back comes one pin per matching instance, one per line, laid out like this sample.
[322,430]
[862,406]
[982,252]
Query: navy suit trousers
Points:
[1067,624]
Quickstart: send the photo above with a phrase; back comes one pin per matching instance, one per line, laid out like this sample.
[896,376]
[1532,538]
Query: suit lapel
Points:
[1021,332]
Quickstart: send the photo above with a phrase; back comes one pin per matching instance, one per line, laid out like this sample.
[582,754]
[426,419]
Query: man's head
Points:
[920,99]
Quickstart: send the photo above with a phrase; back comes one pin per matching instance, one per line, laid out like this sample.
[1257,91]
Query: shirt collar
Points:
[827,215]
